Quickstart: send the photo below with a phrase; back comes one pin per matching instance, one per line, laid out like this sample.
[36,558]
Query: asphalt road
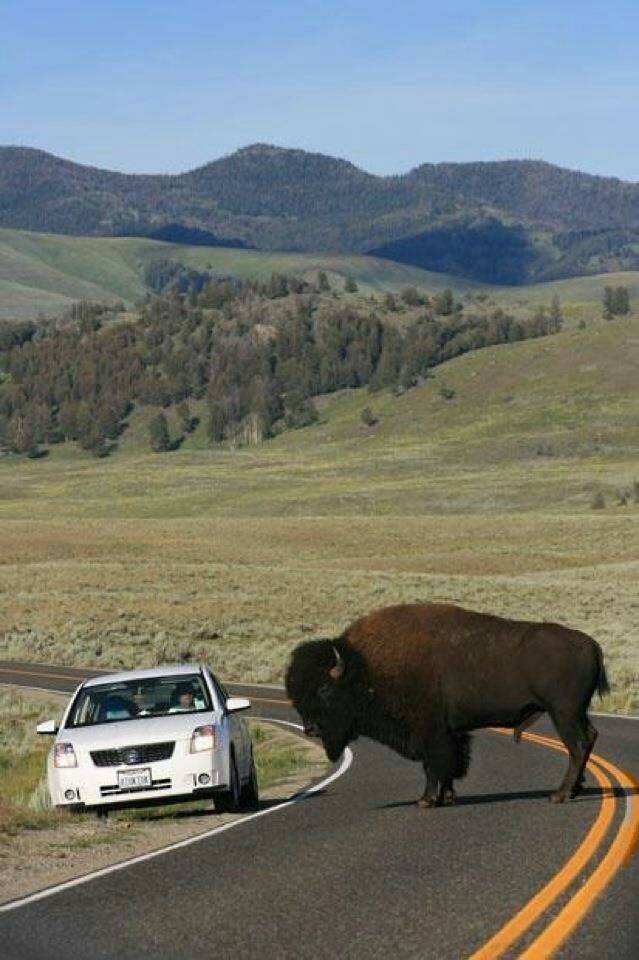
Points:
[358,871]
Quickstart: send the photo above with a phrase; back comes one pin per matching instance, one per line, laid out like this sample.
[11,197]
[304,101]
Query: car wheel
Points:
[229,800]
[250,793]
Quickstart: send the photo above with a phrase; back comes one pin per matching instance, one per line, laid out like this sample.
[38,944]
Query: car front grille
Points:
[111,789]
[132,756]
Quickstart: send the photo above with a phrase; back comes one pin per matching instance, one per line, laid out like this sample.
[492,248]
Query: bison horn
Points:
[338,670]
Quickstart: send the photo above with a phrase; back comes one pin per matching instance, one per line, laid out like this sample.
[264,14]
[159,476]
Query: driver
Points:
[183,699]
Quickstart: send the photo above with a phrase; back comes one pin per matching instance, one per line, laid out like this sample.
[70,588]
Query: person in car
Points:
[183,699]
[118,708]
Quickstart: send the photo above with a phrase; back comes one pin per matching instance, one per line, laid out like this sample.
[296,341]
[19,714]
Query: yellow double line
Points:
[619,853]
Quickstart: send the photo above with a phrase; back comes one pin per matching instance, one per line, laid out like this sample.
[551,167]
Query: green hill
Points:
[42,272]
[45,273]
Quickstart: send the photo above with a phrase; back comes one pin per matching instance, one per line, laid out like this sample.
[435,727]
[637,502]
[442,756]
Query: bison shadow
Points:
[588,794]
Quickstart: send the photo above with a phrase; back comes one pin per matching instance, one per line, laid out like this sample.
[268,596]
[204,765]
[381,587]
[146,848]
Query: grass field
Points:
[233,556]
[45,273]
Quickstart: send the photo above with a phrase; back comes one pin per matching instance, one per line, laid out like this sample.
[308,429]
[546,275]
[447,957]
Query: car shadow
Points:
[204,812]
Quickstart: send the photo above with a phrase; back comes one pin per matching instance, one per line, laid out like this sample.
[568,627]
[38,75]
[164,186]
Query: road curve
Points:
[358,870]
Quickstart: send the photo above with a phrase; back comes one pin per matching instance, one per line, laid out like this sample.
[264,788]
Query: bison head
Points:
[320,684]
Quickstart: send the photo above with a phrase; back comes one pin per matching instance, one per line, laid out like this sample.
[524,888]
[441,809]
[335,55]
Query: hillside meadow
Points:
[45,274]
[481,493]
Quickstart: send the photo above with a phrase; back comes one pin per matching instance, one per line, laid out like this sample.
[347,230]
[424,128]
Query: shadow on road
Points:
[588,794]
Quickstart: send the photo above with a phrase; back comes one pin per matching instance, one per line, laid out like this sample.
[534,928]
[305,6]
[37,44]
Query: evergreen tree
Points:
[159,434]
[411,297]
[299,410]
[622,302]
[609,303]
[218,421]
[445,303]
[184,416]
[350,286]
[616,302]
[322,282]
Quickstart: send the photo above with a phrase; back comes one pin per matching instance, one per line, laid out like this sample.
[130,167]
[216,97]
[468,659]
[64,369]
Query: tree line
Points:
[256,353]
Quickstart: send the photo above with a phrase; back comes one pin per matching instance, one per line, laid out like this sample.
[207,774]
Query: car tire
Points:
[229,801]
[250,791]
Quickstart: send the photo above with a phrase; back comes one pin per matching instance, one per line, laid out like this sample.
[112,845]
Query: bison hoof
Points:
[517,736]
[448,798]
[427,802]
[558,796]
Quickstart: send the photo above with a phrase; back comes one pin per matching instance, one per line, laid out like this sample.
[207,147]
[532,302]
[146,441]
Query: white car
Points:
[169,733]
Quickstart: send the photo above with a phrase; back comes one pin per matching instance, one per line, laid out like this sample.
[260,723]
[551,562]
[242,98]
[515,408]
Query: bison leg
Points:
[578,736]
[440,766]
[430,797]
[447,794]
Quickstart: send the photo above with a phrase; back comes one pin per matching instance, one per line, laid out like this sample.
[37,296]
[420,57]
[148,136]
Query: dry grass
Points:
[23,797]
[233,557]
[240,593]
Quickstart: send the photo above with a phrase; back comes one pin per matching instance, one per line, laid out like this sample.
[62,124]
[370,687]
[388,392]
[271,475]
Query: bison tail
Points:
[462,758]
[602,679]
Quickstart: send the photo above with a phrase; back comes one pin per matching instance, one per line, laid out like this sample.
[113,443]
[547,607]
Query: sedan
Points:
[159,735]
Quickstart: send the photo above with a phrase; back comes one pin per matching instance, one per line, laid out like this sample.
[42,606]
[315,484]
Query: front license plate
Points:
[128,779]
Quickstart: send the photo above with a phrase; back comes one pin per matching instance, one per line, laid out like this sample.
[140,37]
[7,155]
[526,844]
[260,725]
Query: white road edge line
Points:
[347,760]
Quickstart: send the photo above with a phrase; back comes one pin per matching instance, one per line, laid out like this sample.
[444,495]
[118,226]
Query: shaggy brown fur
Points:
[419,677]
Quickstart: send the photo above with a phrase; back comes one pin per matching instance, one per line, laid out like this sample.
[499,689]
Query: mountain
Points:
[501,222]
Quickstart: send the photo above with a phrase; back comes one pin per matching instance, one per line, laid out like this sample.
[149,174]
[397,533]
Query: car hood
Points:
[141,730]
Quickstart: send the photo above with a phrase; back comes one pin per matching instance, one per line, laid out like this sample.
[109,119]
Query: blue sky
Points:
[152,86]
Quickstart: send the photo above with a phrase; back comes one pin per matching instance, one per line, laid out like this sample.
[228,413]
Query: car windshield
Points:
[145,697]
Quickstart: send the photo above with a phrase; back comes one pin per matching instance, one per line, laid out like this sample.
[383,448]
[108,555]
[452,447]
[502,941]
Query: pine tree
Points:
[322,282]
[218,421]
[411,297]
[609,303]
[299,410]
[445,303]
[350,286]
[616,302]
[159,436]
[184,416]
[622,302]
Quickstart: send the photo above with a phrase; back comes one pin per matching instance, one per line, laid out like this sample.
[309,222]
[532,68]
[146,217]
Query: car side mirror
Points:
[47,726]
[233,704]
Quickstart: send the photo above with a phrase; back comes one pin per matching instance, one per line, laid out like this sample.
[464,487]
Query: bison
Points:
[419,677]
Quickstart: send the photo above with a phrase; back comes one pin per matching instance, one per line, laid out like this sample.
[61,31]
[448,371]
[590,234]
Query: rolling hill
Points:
[46,273]
[499,222]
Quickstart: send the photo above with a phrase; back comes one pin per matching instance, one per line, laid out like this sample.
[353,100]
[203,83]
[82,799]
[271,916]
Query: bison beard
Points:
[419,677]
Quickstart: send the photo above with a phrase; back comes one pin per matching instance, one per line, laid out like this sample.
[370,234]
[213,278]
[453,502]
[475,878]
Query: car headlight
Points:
[64,755]
[203,738]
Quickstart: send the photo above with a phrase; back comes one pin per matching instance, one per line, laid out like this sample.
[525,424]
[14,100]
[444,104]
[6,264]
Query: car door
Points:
[238,734]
